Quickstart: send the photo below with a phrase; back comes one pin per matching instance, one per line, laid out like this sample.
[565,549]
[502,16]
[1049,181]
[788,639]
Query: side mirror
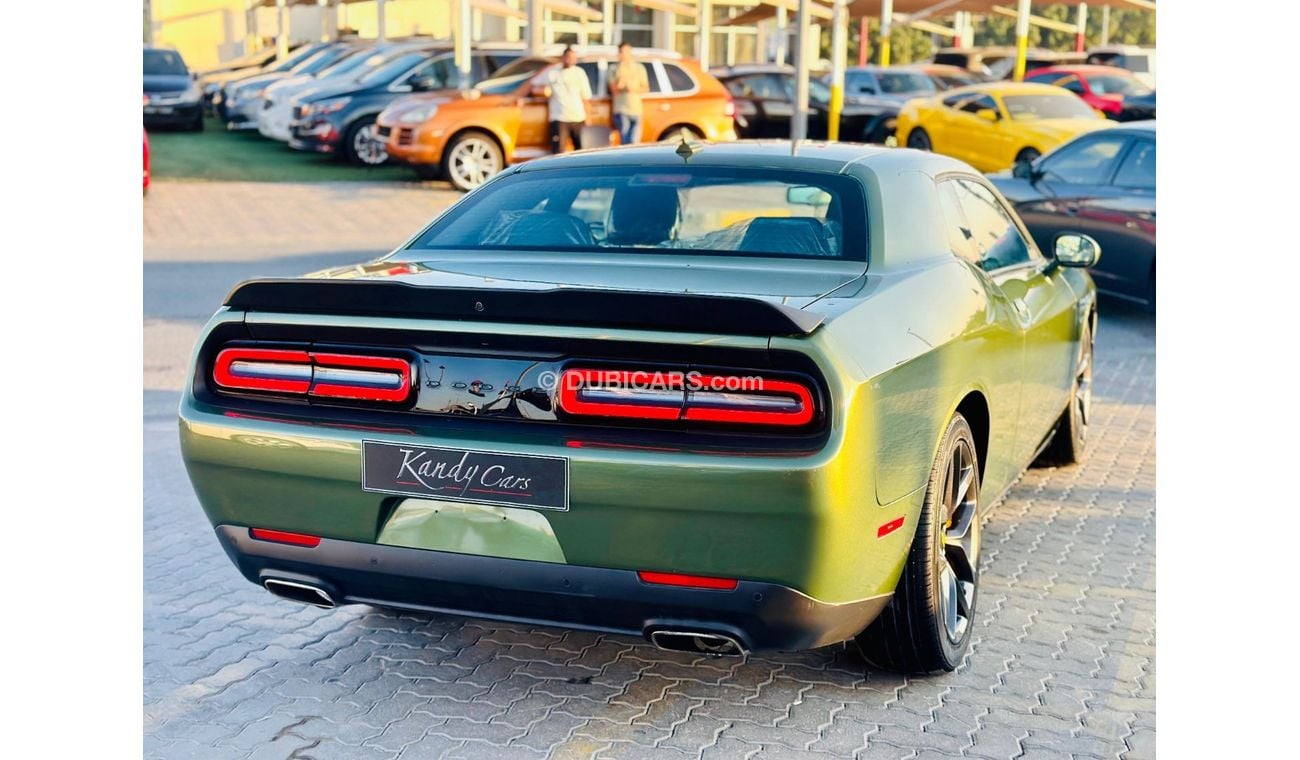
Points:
[1076,250]
[988,114]
[423,84]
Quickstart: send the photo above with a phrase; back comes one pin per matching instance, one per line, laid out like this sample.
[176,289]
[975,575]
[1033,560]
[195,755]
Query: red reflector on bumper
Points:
[284,537]
[890,527]
[688,581]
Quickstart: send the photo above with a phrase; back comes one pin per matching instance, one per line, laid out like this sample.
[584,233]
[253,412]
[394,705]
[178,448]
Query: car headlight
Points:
[418,115]
[325,106]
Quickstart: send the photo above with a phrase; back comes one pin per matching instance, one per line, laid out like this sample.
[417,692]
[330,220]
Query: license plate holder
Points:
[465,475]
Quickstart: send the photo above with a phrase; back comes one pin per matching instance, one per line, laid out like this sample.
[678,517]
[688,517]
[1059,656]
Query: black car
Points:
[341,118]
[764,95]
[1104,184]
[1138,107]
[171,96]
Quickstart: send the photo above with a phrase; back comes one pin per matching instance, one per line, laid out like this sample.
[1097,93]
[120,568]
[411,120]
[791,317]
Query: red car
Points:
[1102,87]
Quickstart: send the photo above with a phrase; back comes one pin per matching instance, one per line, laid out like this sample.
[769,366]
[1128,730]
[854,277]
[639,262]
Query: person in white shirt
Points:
[567,108]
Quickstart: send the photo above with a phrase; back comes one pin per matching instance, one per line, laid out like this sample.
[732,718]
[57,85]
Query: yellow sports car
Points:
[995,125]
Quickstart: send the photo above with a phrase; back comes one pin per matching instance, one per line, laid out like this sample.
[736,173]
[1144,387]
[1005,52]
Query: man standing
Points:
[627,82]
[567,107]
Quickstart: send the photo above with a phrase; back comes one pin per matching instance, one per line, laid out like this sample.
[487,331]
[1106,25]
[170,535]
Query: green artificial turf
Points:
[216,154]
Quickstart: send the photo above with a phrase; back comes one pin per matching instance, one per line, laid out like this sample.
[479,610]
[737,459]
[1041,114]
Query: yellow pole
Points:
[1022,38]
[886,27]
[839,59]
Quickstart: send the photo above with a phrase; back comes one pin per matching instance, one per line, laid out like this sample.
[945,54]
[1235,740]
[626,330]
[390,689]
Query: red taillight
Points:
[260,369]
[323,375]
[646,395]
[688,581]
[284,537]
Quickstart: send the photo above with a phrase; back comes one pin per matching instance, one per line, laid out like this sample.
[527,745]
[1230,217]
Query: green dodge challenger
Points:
[728,397]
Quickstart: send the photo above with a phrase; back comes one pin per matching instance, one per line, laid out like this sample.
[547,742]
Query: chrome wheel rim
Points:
[473,162]
[367,146]
[1083,388]
[958,550]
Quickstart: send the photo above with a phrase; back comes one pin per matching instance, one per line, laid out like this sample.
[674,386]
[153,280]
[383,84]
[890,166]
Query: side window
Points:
[954,222]
[994,234]
[1072,84]
[860,83]
[955,101]
[678,79]
[593,74]
[1085,162]
[651,77]
[975,105]
[1139,168]
[1048,77]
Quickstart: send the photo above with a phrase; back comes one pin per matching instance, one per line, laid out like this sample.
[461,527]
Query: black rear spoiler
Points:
[683,312]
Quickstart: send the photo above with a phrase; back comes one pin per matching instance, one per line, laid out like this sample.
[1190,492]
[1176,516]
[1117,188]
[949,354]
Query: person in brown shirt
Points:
[627,82]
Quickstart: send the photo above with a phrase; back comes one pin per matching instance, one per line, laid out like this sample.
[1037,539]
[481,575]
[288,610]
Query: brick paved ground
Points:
[1063,664]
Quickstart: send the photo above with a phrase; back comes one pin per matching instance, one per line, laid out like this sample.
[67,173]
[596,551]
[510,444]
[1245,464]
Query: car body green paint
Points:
[907,337]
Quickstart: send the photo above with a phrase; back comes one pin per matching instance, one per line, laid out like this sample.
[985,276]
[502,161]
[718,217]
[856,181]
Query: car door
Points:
[1128,267]
[533,138]
[1043,304]
[1000,343]
[748,93]
[976,139]
[1074,182]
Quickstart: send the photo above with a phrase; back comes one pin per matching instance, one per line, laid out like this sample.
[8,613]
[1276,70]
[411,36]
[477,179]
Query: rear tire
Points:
[919,139]
[675,134]
[927,625]
[1071,435]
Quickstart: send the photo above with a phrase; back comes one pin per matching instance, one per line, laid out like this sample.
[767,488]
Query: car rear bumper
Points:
[758,615]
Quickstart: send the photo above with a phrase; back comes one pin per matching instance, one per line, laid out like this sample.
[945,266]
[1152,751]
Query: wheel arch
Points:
[679,125]
[974,407]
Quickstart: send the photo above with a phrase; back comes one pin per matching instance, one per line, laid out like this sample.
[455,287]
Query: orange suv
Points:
[468,136]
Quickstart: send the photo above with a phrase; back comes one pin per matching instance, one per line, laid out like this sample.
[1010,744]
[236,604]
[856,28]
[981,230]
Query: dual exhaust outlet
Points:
[708,643]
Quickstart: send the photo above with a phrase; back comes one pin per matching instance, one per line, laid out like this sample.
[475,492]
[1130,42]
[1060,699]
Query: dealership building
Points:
[208,32]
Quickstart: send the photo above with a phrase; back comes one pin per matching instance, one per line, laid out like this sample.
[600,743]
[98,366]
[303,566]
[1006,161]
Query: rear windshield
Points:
[163,63]
[672,210]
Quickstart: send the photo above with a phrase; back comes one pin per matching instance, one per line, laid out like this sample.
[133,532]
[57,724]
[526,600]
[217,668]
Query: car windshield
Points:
[163,63]
[1031,107]
[295,58]
[507,79]
[351,62]
[895,82]
[683,210]
[391,69]
[1110,84]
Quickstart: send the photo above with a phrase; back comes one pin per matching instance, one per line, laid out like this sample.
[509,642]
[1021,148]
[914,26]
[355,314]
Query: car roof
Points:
[1146,126]
[741,69]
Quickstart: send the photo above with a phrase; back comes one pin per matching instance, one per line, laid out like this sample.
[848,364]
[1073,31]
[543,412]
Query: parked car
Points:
[222,100]
[1102,184]
[1105,88]
[280,97]
[730,397]
[999,62]
[340,117]
[1139,60]
[470,136]
[765,93]
[243,99]
[991,126]
[210,81]
[947,77]
[171,96]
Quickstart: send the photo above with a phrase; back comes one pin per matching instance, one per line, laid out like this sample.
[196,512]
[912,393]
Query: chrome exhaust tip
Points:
[709,644]
[300,592]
